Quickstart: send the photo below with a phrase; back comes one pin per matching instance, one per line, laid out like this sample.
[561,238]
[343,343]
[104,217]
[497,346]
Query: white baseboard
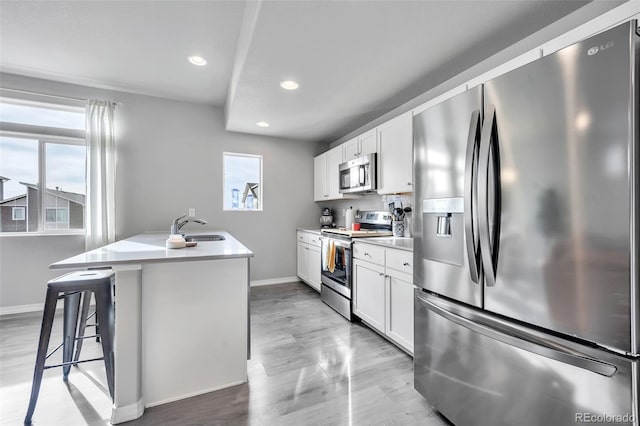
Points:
[20,309]
[192,394]
[273,281]
[126,413]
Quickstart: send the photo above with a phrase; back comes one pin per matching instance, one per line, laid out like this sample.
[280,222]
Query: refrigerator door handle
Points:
[486,247]
[471,197]
[524,342]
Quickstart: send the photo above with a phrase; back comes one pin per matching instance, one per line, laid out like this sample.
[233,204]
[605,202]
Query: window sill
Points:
[42,234]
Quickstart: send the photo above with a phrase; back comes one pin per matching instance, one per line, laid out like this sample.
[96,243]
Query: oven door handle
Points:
[338,243]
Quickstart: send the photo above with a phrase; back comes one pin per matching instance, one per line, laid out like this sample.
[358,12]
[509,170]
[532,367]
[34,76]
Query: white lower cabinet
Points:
[383,292]
[314,266]
[308,258]
[303,261]
[399,313]
[369,297]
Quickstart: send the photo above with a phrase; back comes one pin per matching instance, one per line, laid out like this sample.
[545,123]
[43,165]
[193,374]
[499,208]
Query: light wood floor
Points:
[309,367]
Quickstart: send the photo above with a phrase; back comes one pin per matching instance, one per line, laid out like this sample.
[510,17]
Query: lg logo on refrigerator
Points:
[596,49]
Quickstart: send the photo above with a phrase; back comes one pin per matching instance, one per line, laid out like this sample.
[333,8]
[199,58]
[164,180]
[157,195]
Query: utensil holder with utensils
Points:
[397,228]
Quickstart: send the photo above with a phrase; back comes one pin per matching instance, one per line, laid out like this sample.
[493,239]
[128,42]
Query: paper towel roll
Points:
[349,216]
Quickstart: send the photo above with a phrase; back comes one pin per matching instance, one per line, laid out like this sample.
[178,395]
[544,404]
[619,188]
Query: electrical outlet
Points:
[192,212]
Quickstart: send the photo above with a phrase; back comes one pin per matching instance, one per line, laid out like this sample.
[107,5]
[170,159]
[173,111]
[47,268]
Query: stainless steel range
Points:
[337,257]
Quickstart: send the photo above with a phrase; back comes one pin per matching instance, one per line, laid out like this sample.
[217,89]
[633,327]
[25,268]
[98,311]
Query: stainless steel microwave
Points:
[358,175]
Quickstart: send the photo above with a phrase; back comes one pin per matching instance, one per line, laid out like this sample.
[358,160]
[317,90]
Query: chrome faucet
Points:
[178,224]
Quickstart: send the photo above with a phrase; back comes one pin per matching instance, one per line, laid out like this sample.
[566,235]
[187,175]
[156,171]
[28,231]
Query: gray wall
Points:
[24,262]
[170,159]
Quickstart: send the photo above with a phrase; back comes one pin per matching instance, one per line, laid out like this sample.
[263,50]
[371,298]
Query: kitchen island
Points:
[181,318]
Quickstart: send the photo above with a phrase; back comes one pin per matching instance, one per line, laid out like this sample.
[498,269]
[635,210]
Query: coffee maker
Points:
[326,220]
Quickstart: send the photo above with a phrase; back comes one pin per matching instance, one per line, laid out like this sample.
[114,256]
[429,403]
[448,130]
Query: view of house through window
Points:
[41,146]
[242,182]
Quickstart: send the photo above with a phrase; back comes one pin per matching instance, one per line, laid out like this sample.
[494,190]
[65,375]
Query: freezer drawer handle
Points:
[546,349]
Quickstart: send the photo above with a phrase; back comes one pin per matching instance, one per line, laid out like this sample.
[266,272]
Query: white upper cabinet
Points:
[395,155]
[326,177]
[334,158]
[393,141]
[350,149]
[366,143]
[320,183]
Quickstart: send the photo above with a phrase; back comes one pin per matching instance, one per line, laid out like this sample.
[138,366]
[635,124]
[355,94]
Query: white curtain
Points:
[101,174]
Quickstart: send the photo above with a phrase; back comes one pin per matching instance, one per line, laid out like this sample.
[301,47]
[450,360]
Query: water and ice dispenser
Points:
[443,230]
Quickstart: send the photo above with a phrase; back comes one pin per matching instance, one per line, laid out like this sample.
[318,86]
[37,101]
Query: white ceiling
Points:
[354,60]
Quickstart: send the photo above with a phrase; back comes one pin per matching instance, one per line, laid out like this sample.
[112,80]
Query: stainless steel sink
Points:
[203,237]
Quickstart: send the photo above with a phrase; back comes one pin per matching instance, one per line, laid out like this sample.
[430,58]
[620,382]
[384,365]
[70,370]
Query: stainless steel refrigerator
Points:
[526,237]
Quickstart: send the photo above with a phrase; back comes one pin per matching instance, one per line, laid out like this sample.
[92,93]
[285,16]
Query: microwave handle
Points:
[362,178]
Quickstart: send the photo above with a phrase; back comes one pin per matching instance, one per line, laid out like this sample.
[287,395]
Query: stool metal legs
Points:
[86,300]
[43,345]
[73,286]
[105,315]
[71,307]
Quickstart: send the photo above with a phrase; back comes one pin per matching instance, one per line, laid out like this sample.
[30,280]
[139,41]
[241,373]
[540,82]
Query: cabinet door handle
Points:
[380,274]
[406,263]
[367,254]
[409,183]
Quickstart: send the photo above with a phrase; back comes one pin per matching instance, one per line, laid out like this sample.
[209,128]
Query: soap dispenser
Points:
[176,241]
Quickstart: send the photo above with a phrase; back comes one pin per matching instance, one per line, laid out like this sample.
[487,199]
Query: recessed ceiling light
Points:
[262,124]
[197,60]
[289,85]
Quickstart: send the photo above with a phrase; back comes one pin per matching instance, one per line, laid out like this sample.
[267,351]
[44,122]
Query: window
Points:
[242,176]
[42,145]
[18,213]
[56,218]
[50,215]
[29,113]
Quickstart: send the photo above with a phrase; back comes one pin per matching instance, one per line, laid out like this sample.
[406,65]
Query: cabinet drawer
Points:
[400,260]
[314,240]
[368,252]
[303,237]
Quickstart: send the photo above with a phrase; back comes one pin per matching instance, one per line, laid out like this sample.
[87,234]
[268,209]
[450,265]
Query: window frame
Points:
[48,210]
[44,135]
[14,209]
[261,183]
[56,222]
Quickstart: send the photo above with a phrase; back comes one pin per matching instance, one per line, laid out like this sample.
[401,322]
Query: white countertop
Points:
[311,230]
[403,243]
[150,248]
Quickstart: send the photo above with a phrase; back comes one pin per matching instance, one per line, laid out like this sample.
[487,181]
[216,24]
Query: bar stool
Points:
[72,286]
